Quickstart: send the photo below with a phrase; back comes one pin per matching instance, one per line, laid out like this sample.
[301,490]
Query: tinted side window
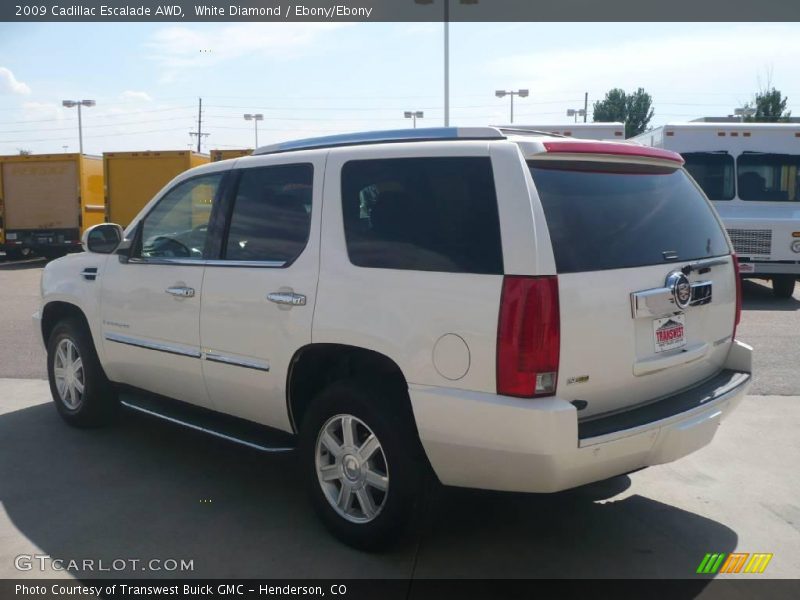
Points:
[424,214]
[713,171]
[611,216]
[177,226]
[271,216]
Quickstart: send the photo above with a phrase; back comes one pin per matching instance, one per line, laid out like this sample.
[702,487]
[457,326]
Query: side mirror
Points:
[102,238]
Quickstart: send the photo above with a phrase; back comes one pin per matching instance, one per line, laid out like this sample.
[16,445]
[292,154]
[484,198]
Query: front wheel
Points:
[82,394]
[783,286]
[362,463]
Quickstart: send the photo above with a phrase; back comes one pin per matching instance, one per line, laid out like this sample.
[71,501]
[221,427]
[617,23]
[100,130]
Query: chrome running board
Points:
[184,422]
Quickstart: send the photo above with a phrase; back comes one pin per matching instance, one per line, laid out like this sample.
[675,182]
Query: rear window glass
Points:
[769,177]
[422,214]
[611,216]
[713,171]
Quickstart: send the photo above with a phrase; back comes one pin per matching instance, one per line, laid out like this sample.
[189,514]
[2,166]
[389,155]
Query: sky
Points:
[319,78]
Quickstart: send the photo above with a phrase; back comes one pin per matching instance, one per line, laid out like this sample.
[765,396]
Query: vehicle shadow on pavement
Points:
[757,295]
[143,489]
[22,265]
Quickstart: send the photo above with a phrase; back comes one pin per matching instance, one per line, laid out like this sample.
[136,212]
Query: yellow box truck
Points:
[217,155]
[47,201]
[133,178]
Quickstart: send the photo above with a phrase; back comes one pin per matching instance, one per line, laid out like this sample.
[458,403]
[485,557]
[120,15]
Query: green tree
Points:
[770,107]
[635,110]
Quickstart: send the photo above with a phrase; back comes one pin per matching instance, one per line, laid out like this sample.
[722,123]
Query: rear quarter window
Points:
[612,216]
[423,214]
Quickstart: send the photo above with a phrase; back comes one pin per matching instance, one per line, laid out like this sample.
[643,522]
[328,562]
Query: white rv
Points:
[751,171]
[586,131]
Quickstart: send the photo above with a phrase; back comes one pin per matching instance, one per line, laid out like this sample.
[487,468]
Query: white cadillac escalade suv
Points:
[512,311]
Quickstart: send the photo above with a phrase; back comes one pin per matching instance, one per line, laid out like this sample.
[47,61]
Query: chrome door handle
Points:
[181,292]
[289,298]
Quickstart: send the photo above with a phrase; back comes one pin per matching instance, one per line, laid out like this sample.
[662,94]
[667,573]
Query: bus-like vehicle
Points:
[751,172]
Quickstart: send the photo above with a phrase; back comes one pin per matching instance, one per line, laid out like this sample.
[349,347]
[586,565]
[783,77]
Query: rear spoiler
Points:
[613,149]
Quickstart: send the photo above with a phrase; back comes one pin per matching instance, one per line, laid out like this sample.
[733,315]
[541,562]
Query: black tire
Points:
[98,402]
[19,253]
[52,253]
[387,414]
[783,286]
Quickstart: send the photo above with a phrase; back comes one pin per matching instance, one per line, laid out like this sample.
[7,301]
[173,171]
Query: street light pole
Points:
[446,53]
[255,119]
[512,93]
[78,103]
[414,114]
[577,112]
[447,63]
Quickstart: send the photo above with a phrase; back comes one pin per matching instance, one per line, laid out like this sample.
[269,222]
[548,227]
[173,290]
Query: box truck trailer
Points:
[217,155]
[751,172]
[47,201]
[133,178]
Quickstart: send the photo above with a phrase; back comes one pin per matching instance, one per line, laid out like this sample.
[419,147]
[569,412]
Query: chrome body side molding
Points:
[237,362]
[158,346]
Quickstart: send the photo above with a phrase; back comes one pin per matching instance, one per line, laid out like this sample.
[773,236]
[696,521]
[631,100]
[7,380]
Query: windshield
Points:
[769,177]
[713,171]
[611,216]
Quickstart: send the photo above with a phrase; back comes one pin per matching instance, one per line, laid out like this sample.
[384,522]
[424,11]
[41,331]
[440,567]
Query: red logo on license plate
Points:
[669,332]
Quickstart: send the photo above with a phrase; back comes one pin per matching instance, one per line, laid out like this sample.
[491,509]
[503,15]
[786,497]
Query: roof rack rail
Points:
[526,131]
[426,134]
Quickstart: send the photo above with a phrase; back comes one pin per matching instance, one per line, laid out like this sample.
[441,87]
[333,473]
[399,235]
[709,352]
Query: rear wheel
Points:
[362,462]
[19,253]
[53,253]
[783,286]
[82,394]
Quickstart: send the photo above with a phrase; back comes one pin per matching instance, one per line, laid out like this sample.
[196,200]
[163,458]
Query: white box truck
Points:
[586,131]
[751,172]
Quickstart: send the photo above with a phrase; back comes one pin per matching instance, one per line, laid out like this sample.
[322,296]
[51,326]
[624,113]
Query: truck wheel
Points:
[52,254]
[82,394]
[18,253]
[362,463]
[783,286]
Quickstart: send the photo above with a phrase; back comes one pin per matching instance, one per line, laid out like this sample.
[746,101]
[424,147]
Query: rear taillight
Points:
[738,293]
[528,337]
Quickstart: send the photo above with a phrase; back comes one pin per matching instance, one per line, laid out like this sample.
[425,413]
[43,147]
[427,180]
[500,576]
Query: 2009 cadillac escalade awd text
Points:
[512,311]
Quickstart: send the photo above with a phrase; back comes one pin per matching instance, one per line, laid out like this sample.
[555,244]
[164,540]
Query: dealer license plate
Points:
[669,333]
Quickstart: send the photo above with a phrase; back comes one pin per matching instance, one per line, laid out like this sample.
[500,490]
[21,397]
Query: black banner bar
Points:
[398,589]
[401,10]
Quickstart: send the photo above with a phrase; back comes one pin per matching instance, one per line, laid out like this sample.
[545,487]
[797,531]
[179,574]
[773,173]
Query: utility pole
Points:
[585,105]
[199,133]
[199,122]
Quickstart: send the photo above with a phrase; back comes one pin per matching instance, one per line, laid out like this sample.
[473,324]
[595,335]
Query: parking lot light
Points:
[414,114]
[78,103]
[255,118]
[503,93]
